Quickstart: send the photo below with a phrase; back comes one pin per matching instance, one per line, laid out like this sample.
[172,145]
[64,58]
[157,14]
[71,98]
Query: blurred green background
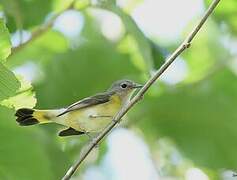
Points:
[54,52]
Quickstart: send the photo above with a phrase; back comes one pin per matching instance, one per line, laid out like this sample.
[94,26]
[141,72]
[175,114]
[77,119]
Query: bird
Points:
[89,115]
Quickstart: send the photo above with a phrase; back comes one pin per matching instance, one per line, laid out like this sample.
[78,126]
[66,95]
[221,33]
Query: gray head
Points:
[124,87]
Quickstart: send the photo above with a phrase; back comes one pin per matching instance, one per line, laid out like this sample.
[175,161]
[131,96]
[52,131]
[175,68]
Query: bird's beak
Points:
[136,85]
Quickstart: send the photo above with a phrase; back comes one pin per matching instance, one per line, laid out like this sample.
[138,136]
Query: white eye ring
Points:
[123,85]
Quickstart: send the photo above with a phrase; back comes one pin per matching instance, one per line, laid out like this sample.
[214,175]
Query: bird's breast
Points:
[94,118]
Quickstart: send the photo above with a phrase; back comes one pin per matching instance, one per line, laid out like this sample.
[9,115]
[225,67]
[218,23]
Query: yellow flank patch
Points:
[94,118]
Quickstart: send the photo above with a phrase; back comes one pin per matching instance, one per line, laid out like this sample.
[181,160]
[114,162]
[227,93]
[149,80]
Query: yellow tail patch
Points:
[27,117]
[43,116]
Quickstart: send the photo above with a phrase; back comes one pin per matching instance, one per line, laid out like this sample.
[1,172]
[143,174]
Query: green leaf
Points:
[24,98]
[201,119]
[128,45]
[8,83]
[5,43]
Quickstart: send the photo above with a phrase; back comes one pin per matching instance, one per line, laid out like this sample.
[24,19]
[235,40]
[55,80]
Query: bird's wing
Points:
[87,102]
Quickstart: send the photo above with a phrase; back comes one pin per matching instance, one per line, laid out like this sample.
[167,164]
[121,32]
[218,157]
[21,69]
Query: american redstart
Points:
[88,115]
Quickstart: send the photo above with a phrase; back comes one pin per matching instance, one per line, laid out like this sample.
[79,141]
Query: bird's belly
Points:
[92,119]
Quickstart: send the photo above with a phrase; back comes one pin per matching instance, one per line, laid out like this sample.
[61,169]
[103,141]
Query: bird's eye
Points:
[124,86]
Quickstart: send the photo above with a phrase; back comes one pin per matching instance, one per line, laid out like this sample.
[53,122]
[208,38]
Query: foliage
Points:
[5,45]
[9,84]
[202,130]
[197,114]
[24,97]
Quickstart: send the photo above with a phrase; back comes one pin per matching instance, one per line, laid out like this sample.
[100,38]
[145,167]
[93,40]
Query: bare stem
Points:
[185,44]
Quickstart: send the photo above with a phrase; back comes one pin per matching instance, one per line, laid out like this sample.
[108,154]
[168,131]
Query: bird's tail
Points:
[27,117]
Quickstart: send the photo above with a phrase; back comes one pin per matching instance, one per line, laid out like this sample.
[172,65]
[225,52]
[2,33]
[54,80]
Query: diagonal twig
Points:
[184,45]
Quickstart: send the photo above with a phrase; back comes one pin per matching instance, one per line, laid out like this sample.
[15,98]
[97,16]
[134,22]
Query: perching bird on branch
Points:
[88,115]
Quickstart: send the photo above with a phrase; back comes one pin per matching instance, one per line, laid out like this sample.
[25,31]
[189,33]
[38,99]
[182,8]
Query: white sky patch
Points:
[230,43]
[228,175]
[70,23]
[122,3]
[195,174]
[112,27]
[176,73]
[29,71]
[2,14]
[127,158]
[20,37]
[166,19]
[111,24]
[94,173]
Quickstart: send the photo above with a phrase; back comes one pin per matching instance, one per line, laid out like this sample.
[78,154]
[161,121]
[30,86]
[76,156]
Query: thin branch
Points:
[186,44]
[42,29]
